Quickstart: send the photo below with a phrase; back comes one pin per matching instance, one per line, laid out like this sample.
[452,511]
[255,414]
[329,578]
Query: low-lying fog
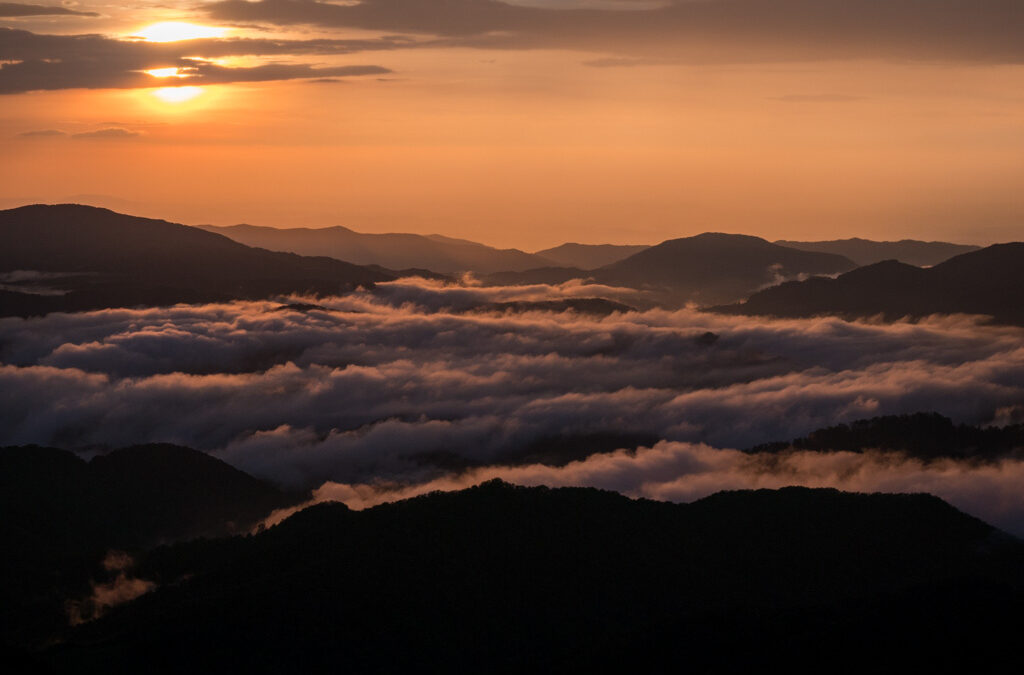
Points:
[353,395]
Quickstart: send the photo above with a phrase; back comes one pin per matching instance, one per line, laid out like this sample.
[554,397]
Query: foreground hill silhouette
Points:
[509,579]
[989,281]
[707,268]
[867,252]
[394,251]
[99,258]
[61,515]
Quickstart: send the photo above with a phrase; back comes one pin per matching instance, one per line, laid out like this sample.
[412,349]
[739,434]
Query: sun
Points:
[177,94]
[172,31]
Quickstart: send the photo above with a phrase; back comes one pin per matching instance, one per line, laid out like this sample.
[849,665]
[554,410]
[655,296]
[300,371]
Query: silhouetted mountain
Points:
[507,579]
[867,252]
[393,251]
[712,266]
[707,268]
[989,281]
[588,256]
[61,514]
[129,497]
[97,258]
[922,435]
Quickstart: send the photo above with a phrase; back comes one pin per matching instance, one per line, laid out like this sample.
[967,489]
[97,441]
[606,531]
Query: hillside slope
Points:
[867,252]
[504,579]
[87,258]
[393,251]
[989,282]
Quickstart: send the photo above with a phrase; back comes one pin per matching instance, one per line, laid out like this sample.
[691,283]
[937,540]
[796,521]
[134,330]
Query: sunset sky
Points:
[525,123]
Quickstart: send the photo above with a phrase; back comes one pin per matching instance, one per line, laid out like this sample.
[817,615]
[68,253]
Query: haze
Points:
[525,124]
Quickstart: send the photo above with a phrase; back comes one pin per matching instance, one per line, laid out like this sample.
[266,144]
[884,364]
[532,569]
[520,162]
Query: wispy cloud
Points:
[48,62]
[43,133]
[709,31]
[13,9]
[108,133]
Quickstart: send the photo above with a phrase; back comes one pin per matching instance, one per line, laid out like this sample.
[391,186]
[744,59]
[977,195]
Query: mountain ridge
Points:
[532,576]
[867,251]
[707,268]
[988,282]
[97,258]
[394,250]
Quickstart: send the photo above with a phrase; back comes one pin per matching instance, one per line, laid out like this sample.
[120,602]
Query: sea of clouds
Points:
[349,397]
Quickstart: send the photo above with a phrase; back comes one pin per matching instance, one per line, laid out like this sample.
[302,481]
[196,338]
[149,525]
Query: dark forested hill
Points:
[708,268]
[989,281]
[922,435]
[61,515]
[508,579]
[87,258]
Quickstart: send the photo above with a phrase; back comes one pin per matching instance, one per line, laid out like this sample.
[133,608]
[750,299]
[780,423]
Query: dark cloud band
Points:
[48,62]
[707,30]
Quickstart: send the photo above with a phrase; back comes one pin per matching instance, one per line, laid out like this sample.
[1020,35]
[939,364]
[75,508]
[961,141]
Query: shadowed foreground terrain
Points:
[62,514]
[506,578]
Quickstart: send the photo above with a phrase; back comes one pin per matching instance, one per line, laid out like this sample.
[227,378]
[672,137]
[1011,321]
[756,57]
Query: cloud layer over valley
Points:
[391,387]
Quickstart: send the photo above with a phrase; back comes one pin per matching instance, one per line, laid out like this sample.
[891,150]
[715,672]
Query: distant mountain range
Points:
[394,251]
[498,578]
[87,258]
[73,258]
[447,255]
[866,252]
[588,256]
[708,268]
[988,281]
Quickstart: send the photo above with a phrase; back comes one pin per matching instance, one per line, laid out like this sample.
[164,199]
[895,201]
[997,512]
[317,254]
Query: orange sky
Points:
[605,136]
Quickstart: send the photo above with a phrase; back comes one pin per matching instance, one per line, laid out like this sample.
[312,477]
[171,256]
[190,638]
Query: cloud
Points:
[706,31]
[43,133]
[12,9]
[626,34]
[377,382]
[109,133]
[105,596]
[49,62]
[684,472]
[208,73]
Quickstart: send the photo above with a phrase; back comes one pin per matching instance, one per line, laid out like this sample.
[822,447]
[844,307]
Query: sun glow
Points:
[177,94]
[171,31]
[165,72]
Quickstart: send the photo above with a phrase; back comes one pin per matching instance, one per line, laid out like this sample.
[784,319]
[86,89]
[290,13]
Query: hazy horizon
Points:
[527,124]
[131,208]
